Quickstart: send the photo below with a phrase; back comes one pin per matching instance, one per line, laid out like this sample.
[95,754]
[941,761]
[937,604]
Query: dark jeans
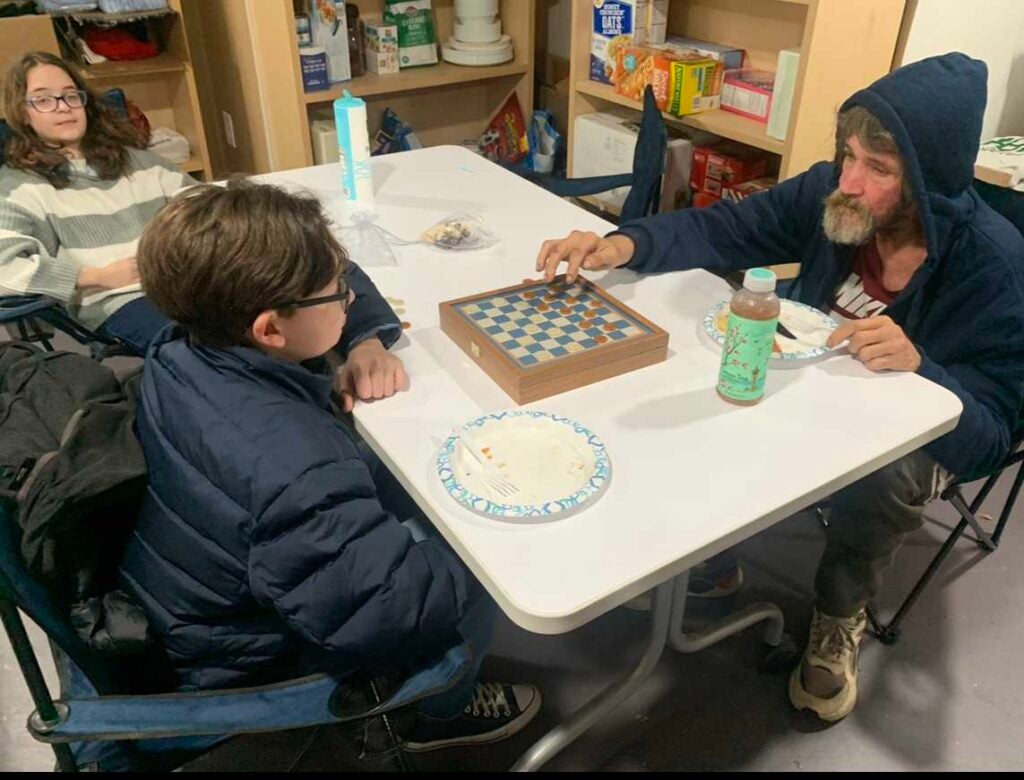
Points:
[867,524]
[476,626]
[135,324]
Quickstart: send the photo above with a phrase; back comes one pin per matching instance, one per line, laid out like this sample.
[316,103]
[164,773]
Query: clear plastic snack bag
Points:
[366,242]
[459,232]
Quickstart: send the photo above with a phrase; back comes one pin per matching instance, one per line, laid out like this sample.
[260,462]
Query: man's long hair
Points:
[904,224]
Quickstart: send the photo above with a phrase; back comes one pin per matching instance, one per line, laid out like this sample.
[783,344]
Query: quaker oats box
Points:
[621,23]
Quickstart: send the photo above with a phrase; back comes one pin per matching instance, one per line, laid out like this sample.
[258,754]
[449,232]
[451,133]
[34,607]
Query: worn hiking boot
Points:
[826,679]
[496,712]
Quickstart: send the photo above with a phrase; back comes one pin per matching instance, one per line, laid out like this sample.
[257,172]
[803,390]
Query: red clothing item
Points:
[116,43]
[862,294]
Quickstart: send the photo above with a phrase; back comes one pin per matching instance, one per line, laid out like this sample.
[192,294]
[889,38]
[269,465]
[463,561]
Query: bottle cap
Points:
[348,101]
[759,280]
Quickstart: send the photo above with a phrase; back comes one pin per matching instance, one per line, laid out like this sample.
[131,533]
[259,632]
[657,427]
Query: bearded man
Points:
[923,276]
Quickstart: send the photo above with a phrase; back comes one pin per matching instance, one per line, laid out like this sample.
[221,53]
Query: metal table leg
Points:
[666,628]
[721,629]
[560,737]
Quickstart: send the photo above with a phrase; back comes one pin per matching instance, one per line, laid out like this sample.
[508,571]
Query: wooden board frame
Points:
[525,385]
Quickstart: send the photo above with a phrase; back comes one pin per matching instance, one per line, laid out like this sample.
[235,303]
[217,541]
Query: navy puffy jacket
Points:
[262,551]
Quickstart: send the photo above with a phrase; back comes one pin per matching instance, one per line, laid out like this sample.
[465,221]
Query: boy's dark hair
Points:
[214,258]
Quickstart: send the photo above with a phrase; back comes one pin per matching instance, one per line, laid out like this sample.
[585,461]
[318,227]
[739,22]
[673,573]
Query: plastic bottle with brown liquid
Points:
[749,338]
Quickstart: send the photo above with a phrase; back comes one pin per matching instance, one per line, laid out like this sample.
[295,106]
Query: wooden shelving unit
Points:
[719,122]
[844,45]
[163,87]
[251,79]
[162,63]
[415,79]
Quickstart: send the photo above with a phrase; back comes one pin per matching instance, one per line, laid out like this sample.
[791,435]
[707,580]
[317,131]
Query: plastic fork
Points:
[492,478]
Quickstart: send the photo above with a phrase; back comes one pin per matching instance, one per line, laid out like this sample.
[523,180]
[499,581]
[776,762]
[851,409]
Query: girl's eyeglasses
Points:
[44,104]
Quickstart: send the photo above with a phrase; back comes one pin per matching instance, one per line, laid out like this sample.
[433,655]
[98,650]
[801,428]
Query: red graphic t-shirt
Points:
[862,294]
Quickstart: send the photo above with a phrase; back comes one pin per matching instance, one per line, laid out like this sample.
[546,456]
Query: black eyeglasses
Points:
[343,295]
[44,104]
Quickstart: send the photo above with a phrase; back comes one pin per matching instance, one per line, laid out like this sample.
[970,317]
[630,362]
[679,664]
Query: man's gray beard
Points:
[847,221]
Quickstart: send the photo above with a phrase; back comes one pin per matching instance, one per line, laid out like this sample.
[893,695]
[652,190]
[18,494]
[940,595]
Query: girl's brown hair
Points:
[107,138]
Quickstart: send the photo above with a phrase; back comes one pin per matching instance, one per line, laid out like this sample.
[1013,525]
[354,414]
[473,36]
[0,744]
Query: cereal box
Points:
[620,23]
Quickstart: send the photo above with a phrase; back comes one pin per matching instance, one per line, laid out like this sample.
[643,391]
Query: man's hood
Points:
[934,108]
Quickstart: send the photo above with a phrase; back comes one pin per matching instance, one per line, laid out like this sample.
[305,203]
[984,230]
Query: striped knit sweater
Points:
[47,235]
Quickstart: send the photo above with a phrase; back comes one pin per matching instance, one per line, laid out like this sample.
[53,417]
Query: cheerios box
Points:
[620,23]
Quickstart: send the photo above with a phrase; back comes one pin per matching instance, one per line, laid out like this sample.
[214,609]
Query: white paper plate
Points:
[558,465]
[477,58]
[811,327]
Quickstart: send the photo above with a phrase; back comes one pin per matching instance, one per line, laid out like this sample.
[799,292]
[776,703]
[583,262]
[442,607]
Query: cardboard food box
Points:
[729,56]
[621,23]
[737,192]
[692,86]
[604,144]
[381,47]
[748,92]
[330,33]
[727,164]
[638,66]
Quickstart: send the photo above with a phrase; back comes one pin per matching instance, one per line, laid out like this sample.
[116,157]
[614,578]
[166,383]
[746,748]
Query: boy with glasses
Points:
[269,545]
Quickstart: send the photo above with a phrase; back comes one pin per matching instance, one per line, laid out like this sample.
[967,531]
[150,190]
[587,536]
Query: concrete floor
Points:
[948,696]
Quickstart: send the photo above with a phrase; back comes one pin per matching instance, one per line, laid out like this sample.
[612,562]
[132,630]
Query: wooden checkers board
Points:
[536,340]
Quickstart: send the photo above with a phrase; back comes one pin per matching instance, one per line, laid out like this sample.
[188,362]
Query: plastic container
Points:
[303,32]
[749,339]
[354,149]
[313,62]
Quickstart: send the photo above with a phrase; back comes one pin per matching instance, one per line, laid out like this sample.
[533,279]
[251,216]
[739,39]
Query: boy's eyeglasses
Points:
[44,104]
[343,295]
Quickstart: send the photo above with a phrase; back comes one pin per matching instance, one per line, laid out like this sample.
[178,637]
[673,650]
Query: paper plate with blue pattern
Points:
[810,327]
[557,466]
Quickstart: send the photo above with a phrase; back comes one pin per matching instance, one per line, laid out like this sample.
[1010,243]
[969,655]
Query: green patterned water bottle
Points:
[749,338]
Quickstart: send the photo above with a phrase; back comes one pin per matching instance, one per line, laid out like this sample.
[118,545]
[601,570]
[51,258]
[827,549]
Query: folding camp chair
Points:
[96,723]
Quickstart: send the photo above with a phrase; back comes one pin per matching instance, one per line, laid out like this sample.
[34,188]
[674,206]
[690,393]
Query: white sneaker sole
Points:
[829,710]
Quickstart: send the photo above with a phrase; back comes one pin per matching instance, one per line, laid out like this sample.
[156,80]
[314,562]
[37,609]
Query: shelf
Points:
[413,79]
[105,18]
[192,165]
[723,123]
[120,69]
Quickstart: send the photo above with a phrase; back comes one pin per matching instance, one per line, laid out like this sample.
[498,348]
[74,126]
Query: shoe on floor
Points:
[825,681]
[496,712]
[704,583]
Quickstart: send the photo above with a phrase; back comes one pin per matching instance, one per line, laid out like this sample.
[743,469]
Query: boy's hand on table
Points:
[370,372]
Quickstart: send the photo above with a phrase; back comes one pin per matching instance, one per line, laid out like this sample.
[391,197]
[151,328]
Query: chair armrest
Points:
[307,701]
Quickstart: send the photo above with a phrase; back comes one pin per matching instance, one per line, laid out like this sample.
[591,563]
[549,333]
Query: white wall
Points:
[988,30]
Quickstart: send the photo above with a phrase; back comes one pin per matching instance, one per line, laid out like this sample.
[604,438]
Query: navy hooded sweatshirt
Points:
[262,551]
[964,307]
